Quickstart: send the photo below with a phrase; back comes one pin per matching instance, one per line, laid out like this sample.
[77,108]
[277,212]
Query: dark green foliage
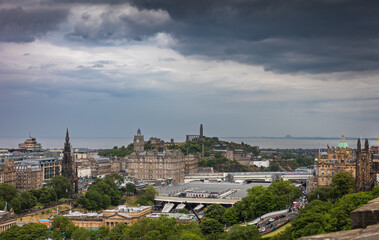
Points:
[32,231]
[230,216]
[62,186]
[146,228]
[102,193]
[320,193]
[119,152]
[274,167]
[249,232]
[81,234]
[116,179]
[8,192]
[63,225]
[304,161]
[211,226]
[195,146]
[343,183]
[323,216]
[130,188]
[116,232]
[103,232]
[221,164]
[287,155]
[215,211]
[27,201]
[146,196]
[16,205]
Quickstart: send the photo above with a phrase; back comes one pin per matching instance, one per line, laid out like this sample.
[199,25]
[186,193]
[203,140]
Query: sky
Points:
[239,67]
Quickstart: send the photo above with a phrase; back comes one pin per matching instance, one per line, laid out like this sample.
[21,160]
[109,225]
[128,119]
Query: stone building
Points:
[333,161]
[152,165]
[110,218]
[8,172]
[50,166]
[191,164]
[367,167]
[101,166]
[7,220]
[29,176]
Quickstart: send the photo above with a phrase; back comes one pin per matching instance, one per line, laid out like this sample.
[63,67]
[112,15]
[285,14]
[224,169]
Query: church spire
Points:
[67,136]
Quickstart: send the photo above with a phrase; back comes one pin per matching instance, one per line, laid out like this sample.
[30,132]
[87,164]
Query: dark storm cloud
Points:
[24,25]
[117,23]
[281,35]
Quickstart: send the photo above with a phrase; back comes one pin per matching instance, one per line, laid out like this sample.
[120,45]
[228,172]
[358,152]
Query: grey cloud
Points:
[313,36]
[24,25]
[118,23]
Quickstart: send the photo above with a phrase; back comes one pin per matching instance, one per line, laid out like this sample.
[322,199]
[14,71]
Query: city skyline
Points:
[242,68]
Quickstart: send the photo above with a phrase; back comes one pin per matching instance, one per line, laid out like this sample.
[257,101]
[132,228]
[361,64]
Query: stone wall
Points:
[366,215]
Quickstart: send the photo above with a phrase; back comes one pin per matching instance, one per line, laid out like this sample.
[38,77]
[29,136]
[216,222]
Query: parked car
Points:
[271,220]
[262,229]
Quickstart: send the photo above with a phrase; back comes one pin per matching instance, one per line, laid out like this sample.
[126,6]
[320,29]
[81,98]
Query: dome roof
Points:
[343,143]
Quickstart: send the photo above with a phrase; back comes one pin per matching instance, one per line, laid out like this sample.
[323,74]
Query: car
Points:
[262,229]
[282,216]
[271,220]
[276,217]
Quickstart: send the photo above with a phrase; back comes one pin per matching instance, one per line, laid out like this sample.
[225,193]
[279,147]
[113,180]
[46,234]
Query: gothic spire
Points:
[67,136]
[359,145]
[366,144]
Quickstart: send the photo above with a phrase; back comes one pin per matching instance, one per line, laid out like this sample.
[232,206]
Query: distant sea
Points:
[105,143]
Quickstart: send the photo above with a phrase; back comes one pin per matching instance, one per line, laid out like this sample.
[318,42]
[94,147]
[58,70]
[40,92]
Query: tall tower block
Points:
[201,131]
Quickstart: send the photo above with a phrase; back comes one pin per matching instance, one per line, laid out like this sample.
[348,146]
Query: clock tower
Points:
[139,142]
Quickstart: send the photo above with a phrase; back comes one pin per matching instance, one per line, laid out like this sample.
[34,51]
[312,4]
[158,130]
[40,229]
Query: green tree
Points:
[16,205]
[211,226]
[315,218]
[63,225]
[342,208]
[31,231]
[81,234]
[249,232]
[320,193]
[146,196]
[116,232]
[190,236]
[230,216]
[215,211]
[130,188]
[62,186]
[114,178]
[27,201]
[103,232]
[45,197]
[8,192]
[53,194]
[343,183]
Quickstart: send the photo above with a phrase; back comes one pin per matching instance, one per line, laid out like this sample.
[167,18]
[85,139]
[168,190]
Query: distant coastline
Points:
[299,138]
